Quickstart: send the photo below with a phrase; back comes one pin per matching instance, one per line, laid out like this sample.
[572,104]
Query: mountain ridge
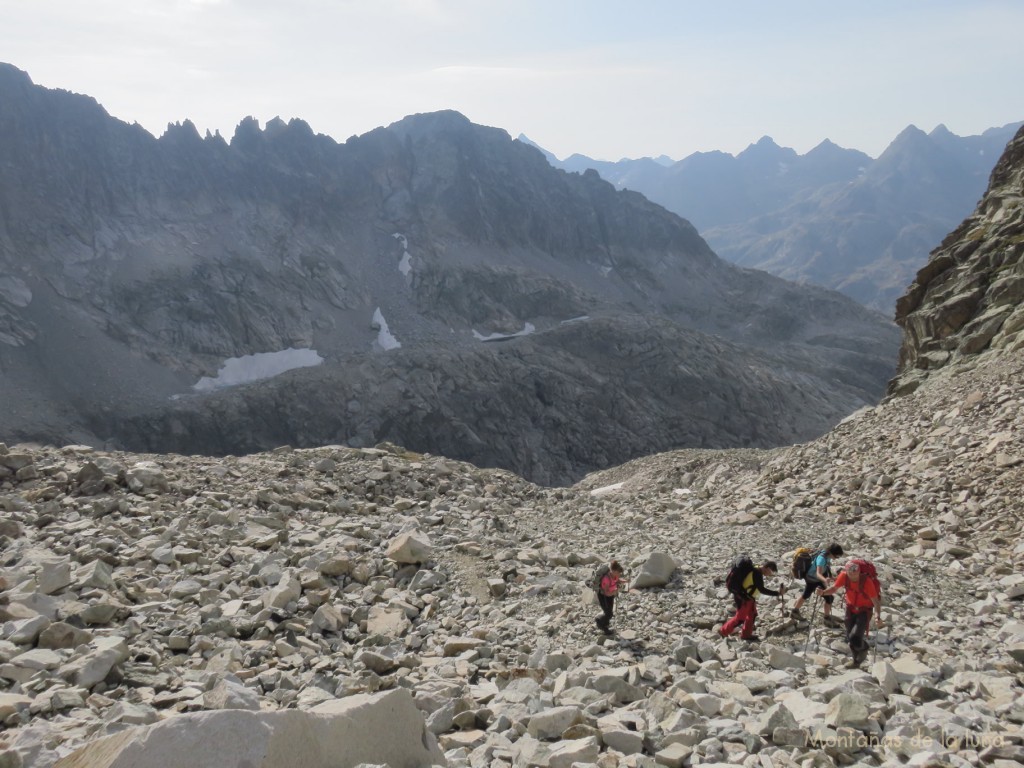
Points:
[139,266]
[848,222]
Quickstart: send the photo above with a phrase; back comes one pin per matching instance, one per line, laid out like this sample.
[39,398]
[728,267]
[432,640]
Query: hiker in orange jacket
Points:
[862,595]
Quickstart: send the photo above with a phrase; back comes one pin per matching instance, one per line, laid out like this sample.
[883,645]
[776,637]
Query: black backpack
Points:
[595,580]
[741,568]
[802,559]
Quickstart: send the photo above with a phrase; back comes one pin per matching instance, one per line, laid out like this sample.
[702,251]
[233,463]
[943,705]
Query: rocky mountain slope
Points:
[966,300]
[442,285]
[833,217]
[151,596]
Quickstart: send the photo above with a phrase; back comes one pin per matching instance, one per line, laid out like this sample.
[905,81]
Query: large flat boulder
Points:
[379,728]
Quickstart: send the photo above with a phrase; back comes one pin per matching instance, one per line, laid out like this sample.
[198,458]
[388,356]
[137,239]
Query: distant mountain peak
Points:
[826,147]
[183,131]
[10,74]
[911,132]
[247,131]
[765,150]
[442,121]
[765,146]
[765,142]
[576,156]
[277,127]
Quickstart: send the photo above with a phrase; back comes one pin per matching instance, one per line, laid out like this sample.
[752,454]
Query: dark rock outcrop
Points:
[967,300]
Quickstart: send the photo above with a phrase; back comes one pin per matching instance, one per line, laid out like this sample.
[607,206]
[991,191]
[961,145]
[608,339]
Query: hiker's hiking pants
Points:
[746,614]
[607,603]
[811,584]
[856,629]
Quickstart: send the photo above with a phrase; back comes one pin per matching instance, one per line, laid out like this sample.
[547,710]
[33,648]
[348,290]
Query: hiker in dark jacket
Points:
[606,591]
[818,576]
[745,597]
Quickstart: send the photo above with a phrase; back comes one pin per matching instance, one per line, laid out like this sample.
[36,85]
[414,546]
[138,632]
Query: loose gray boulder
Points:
[656,571]
[382,728]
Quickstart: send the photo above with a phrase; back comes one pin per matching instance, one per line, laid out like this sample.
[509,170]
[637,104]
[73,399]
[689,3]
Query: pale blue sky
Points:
[603,78]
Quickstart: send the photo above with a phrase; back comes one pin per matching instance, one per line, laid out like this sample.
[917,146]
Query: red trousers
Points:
[746,613]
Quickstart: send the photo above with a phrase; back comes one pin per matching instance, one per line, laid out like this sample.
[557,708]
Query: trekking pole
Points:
[810,626]
[874,652]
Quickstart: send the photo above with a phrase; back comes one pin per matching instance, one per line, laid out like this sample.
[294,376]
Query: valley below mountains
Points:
[445,288]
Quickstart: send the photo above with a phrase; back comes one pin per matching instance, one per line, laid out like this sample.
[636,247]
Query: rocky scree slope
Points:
[137,588]
[132,266]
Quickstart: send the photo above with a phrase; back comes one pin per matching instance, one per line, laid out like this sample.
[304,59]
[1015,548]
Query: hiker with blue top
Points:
[816,571]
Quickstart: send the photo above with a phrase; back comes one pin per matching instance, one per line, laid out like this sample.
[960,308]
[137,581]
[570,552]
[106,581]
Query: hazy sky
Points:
[606,79]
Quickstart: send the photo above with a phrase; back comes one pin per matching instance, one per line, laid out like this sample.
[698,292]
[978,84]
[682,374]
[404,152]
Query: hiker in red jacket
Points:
[749,586]
[862,595]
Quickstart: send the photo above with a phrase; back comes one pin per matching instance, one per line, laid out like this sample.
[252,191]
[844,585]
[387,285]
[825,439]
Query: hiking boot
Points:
[795,614]
[857,659]
[750,639]
[833,621]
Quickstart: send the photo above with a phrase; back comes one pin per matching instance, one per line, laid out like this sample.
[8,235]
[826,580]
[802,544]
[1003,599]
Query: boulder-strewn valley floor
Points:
[138,587]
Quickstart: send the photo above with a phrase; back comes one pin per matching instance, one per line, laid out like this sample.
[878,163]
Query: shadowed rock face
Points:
[131,267]
[967,300]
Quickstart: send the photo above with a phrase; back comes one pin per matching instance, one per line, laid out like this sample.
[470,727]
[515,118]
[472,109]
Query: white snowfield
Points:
[262,365]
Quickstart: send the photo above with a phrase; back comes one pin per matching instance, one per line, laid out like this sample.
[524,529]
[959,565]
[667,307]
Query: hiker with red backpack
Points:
[863,594]
[745,582]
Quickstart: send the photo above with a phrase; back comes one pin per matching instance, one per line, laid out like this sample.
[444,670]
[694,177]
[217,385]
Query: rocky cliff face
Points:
[966,302]
[464,298]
